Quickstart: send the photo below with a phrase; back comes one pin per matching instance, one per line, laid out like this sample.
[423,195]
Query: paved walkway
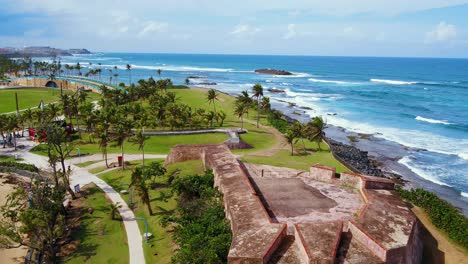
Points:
[82,176]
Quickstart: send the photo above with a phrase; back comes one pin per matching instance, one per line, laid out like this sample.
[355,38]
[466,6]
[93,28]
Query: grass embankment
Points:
[160,248]
[31,97]
[101,240]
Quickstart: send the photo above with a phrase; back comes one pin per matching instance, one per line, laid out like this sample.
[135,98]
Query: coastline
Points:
[385,154]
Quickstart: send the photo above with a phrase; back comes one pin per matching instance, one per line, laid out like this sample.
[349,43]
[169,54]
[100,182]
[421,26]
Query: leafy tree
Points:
[42,223]
[140,140]
[187,81]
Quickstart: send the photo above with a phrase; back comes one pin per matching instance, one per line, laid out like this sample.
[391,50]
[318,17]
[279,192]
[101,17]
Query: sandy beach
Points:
[12,255]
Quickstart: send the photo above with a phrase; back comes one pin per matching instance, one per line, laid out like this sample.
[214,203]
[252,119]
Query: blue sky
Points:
[417,28]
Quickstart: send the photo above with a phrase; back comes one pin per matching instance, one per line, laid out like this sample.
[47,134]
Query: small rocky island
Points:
[273,72]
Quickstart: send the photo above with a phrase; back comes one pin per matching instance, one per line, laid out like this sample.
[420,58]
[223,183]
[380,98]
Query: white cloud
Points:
[245,29]
[441,33]
[291,33]
[151,27]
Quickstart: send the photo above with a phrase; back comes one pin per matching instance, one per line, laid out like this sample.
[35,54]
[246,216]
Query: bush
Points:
[201,231]
[19,166]
[442,214]
[278,122]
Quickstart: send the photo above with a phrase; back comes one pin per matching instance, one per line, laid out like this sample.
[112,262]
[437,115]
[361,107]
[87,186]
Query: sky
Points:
[397,28]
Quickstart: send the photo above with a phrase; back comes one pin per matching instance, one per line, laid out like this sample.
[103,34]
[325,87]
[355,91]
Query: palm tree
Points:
[299,131]
[122,130]
[114,208]
[257,90]
[129,69]
[103,142]
[212,97]
[141,187]
[266,106]
[239,110]
[317,127]
[187,81]
[159,73]
[78,68]
[140,140]
[290,137]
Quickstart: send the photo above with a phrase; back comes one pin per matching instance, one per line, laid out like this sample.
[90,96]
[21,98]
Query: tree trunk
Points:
[292,149]
[148,204]
[105,157]
[258,110]
[123,160]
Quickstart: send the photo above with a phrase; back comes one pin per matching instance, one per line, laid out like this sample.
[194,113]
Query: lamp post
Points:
[146,234]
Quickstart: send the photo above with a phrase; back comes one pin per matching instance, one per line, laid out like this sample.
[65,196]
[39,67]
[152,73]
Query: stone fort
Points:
[282,215]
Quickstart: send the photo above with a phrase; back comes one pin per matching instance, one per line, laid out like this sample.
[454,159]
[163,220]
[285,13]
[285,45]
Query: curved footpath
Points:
[82,176]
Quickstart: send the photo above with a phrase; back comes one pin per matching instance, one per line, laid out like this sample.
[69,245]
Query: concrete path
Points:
[111,158]
[82,176]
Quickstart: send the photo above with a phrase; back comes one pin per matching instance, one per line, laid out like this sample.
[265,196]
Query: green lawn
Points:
[31,97]
[8,158]
[153,145]
[102,240]
[301,162]
[87,163]
[160,248]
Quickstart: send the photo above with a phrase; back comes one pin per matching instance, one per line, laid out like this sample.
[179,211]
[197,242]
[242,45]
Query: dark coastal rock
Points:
[207,83]
[306,108]
[275,90]
[355,158]
[196,77]
[273,72]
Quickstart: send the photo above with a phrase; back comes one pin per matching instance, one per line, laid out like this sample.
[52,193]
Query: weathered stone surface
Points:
[318,206]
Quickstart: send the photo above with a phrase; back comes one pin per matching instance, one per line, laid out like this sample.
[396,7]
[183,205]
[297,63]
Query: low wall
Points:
[322,173]
[361,236]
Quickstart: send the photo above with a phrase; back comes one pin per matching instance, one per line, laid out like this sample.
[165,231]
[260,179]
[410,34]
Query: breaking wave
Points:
[432,121]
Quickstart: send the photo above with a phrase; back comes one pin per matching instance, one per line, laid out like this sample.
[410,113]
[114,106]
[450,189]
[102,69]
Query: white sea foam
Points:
[433,121]
[408,163]
[394,82]
[464,194]
[330,81]
[463,155]
[286,84]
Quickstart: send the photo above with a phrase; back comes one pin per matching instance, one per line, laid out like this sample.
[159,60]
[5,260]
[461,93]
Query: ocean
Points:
[421,104]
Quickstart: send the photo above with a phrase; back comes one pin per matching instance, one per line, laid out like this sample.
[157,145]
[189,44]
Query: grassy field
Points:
[102,240]
[153,145]
[31,97]
[160,247]
[299,161]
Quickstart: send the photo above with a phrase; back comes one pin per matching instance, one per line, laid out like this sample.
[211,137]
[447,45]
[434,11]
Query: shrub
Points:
[442,214]
[278,122]
[201,231]
[19,166]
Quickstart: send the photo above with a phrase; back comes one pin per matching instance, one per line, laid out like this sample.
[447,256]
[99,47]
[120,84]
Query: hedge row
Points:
[442,214]
[19,166]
